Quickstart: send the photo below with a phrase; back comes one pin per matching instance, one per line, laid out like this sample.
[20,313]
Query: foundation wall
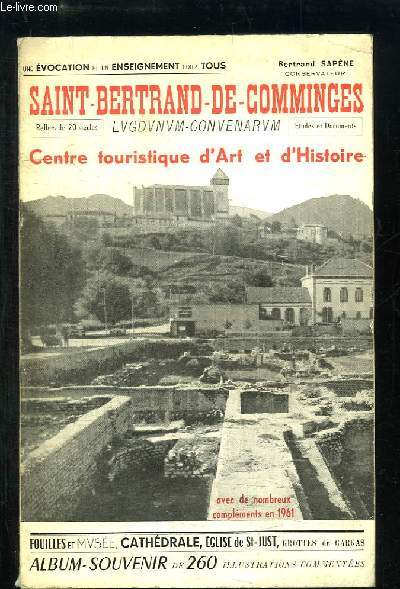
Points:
[55,474]
[264,402]
[145,398]
[278,338]
[68,365]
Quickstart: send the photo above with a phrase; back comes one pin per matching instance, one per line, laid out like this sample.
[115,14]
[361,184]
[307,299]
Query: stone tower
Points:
[220,185]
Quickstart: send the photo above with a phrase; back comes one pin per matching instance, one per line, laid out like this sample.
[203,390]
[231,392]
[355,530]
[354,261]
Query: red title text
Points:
[190,99]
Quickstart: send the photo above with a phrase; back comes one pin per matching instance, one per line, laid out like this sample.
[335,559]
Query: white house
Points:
[313,232]
[340,288]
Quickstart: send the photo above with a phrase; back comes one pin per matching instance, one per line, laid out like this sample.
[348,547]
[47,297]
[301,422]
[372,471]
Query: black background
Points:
[156,17]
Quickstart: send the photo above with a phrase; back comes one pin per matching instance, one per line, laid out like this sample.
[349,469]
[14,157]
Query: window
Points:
[358,315]
[181,201]
[304,316]
[148,200]
[138,203]
[359,295]
[327,295]
[169,200]
[208,203]
[160,205]
[344,295]
[276,313]
[262,313]
[195,203]
[184,312]
[327,315]
[371,313]
[289,315]
[344,315]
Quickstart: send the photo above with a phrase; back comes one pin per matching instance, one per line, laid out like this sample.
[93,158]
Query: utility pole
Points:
[105,309]
[132,314]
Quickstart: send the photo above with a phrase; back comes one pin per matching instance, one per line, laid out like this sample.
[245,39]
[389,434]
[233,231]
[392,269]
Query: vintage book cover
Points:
[197,365]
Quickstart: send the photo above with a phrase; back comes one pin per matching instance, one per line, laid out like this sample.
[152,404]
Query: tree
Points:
[236,220]
[106,239]
[84,228]
[106,297]
[146,303]
[366,246]
[155,242]
[114,261]
[108,259]
[276,227]
[52,273]
[229,292]
[258,277]
[225,240]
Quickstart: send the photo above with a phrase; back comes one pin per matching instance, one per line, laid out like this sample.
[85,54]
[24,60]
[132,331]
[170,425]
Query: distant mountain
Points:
[338,212]
[61,205]
[247,212]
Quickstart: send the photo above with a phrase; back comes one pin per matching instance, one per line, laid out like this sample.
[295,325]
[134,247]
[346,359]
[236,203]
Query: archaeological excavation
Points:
[165,429]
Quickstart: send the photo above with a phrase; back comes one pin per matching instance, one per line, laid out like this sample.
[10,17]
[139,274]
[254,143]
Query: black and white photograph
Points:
[180,345]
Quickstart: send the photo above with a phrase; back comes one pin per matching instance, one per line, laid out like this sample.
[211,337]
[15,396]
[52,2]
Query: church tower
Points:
[220,185]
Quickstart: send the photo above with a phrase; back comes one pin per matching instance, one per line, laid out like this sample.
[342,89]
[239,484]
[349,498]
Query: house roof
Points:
[278,294]
[344,267]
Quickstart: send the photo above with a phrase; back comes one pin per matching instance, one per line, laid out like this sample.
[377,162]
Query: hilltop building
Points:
[102,217]
[173,205]
[313,232]
[57,219]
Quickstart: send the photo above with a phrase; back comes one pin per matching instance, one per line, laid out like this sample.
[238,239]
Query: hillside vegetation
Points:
[339,212]
[61,205]
[126,274]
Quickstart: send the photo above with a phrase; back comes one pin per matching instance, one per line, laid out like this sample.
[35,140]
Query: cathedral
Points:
[172,205]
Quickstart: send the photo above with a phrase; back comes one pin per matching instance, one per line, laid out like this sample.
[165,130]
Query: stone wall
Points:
[54,475]
[130,455]
[349,452]
[72,365]
[146,398]
[43,418]
[348,387]
[324,498]
[195,458]
[356,326]
[277,338]
[264,402]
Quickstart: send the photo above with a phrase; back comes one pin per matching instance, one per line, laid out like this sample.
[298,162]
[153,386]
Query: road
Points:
[101,341]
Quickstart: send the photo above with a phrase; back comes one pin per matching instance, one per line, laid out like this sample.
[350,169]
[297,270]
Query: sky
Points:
[270,192]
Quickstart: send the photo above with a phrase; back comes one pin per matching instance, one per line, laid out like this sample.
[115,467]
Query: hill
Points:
[61,205]
[339,212]
[248,212]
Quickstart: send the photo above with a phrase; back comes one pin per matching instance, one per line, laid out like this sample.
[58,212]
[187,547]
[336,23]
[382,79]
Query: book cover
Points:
[196,276]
